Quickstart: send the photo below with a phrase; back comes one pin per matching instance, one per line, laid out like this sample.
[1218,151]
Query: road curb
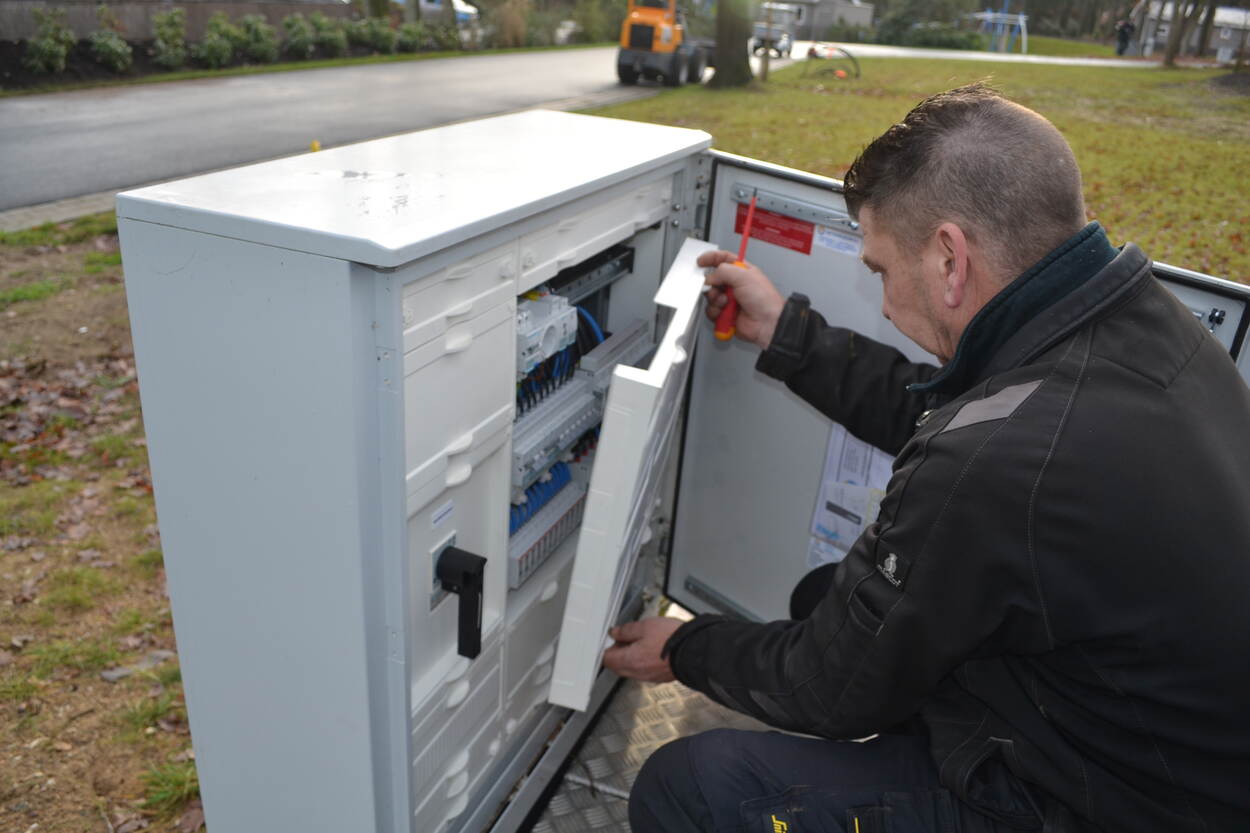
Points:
[60,211]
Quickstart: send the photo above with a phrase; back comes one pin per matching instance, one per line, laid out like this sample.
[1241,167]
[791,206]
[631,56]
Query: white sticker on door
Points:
[839,241]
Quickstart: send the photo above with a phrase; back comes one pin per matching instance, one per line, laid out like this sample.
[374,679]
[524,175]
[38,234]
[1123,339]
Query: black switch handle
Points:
[462,573]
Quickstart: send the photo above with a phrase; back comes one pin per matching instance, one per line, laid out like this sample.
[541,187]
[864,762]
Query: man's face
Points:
[908,299]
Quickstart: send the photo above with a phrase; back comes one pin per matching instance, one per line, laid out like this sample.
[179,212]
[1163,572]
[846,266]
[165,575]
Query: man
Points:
[1123,34]
[1046,627]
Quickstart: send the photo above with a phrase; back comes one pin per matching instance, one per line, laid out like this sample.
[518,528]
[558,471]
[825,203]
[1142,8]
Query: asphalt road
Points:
[68,144]
[63,145]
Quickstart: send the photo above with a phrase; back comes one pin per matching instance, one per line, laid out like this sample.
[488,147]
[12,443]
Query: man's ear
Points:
[952,254]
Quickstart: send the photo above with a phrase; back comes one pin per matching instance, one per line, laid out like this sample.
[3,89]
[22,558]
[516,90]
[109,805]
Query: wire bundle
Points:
[538,496]
[558,369]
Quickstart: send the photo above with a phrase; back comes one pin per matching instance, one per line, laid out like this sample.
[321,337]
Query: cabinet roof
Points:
[389,201]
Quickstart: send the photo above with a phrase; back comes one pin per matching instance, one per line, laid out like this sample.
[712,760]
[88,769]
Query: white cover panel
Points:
[389,201]
[638,423]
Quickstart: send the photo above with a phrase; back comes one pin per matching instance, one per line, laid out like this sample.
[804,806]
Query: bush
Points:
[599,21]
[937,36]
[110,50]
[901,29]
[846,33]
[260,40]
[540,27]
[446,37]
[170,49]
[299,38]
[329,35]
[372,33]
[412,37]
[108,47]
[221,38]
[47,50]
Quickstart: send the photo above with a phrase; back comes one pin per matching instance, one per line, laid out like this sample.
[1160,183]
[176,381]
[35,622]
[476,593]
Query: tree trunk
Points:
[1204,37]
[733,30]
[1181,12]
[1241,51]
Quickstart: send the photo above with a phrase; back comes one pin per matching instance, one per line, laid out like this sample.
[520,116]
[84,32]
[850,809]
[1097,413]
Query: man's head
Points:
[967,192]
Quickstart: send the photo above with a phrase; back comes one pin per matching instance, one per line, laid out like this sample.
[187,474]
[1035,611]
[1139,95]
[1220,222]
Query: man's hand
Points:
[759,302]
[636,653]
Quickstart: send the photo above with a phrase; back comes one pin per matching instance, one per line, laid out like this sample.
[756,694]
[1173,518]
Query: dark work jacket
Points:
[1058,582]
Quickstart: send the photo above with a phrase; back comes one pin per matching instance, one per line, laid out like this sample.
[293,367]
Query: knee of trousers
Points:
[668,785]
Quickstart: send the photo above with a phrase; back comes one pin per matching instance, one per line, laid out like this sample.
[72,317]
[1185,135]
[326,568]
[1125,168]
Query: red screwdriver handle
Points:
[727,320]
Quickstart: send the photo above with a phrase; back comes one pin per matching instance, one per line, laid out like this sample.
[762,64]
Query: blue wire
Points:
[594,325]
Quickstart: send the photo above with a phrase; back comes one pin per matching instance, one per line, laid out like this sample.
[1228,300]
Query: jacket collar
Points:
[1015,310]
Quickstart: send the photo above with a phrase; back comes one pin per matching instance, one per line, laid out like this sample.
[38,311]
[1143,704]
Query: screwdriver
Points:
[726,322]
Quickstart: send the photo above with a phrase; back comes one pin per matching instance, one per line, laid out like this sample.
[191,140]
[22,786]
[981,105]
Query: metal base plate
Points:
[640,719]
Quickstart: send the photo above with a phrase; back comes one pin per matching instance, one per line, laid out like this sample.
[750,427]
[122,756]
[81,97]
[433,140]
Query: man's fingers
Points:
[711,259]
[628,632]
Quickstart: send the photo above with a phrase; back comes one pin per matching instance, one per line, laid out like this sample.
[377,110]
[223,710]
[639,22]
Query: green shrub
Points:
[330,38]
[412,37]
[446,37]
[540,26]
[47,50]
[108,47]
[220,39]
[170,49]
[110,50]
[260,40]
[299,38]
[937,36]
[597,22]
[846,33]
[214,52]
[372,33]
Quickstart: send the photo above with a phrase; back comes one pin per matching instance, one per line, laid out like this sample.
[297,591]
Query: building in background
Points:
[816,17]
[1230,26]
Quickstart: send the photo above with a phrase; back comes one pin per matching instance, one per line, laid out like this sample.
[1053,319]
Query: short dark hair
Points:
[1000,171]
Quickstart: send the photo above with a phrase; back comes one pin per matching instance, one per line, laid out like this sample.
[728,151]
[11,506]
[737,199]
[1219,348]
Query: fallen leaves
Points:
[49,417]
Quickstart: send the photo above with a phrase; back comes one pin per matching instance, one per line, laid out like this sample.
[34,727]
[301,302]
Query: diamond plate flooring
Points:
[639,719]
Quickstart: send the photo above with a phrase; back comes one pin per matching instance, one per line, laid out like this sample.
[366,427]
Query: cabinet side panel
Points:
[248,372]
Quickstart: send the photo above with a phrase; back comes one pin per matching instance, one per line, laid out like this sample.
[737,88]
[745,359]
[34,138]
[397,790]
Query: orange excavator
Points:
[656,44]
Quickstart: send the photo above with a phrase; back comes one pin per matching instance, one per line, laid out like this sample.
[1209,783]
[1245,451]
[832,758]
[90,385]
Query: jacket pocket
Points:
[855,810]
[986,783]
[862,614]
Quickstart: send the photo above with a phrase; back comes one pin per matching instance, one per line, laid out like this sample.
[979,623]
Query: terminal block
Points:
[543,533]
[544,434]
[545,325]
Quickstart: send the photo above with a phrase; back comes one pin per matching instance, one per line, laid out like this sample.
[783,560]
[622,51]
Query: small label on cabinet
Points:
[442,514]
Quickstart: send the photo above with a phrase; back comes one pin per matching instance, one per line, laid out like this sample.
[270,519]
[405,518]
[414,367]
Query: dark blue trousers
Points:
[732,781]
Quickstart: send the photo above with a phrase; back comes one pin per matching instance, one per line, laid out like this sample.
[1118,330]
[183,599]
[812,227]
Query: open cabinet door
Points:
[762,473]
[753,458]
[639,428]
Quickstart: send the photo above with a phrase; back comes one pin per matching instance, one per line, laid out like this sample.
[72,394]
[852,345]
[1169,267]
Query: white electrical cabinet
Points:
[415,406]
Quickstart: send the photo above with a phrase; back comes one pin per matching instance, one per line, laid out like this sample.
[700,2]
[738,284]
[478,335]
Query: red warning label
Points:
[777,229]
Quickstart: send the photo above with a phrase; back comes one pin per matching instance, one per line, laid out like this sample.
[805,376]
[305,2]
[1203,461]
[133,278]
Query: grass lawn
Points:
[1165,153]
[1042,45]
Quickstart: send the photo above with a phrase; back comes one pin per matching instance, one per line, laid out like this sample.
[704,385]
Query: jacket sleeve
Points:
[917,595]
[853,380]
